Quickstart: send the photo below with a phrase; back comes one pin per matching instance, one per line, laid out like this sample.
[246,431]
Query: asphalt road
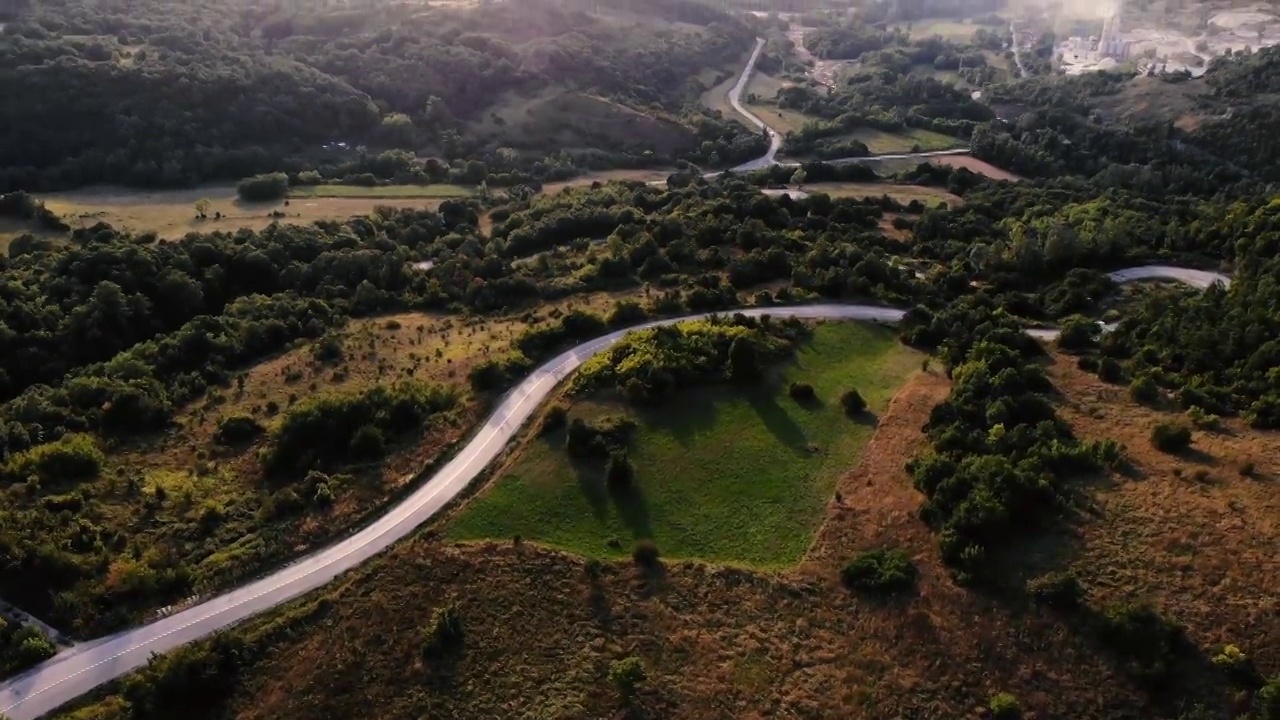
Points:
[86,666]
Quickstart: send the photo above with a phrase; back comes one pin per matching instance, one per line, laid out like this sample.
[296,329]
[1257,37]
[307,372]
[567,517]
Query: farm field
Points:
[880,142]
[930,196]
[756,468]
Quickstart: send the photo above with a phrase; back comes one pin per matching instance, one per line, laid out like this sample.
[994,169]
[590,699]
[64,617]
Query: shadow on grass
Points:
[685,417]
[633,510]
[590,475]
[777,420]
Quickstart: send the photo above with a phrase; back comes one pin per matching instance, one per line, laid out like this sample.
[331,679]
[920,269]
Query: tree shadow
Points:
[633,509]
[695,416]
[589,472]
[778,421]
[866,418]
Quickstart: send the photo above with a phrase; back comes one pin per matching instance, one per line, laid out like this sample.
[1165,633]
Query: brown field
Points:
[542,627]
[171,213]
[981,167]
[904,194]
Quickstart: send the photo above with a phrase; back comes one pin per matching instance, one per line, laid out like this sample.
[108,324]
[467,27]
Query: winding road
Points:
[86,666]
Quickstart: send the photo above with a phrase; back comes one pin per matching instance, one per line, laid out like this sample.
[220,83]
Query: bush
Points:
[1144,390]
[1078,334]
[1236,665]
[802,392]
[238,430]
[1144,641]
[445,633]
[1267,701]
[1171,438]
[599,438]
[627,675]
[645,554]
[368,443]
[618,472]
[1004,706]
[73,457]
[1110,371]
[884,571]
[853,403]
[263,188]
[1059,590]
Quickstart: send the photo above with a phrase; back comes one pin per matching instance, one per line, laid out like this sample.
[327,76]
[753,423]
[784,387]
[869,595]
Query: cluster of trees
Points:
[21,647]
[649,366]
[336,429]
[999,456]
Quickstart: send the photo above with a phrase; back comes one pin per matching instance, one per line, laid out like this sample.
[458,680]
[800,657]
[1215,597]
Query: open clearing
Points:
[171,213]
[383,191]
[755,468]
[880,142]
[930,196]
[606,176]
[948,29]
[973,164]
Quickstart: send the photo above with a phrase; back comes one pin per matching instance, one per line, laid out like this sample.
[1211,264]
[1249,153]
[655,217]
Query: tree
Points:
[798,179]
[202,208]
[627,675]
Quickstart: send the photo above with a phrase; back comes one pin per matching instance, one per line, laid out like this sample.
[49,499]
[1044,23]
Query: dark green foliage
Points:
[853,403]
[21,648]
[1110,371]
[618,472]
[264,188]
[335,428]
[626,313]
[599,438]
[1078,334]
[497,374]
[445,634]
[744,361]
[194,681]
[1142,640]
[1170,437]
[576,326]
[1144,390]
[1060,590]
[645,554]
[238,430]
[881,571]
[999,452]
[1267,701]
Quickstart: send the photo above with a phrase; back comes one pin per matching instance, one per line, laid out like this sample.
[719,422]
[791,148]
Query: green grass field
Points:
[722,474]
[384,191]
[880,142]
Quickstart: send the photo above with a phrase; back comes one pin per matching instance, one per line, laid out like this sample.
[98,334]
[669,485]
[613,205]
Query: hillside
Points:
[264,90]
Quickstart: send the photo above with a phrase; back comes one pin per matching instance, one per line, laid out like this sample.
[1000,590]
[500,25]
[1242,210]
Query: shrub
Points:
[1144,390]
[238,430]
[802,392]
[1058,589]
[645,554]
[598,438]
[1077,334]
[1110,371]
[1004,706]
[368,443]
[1267,700]
[618,472]
[883,571]
[627,675]
[853,403]
[444,634]
[73,457]
[1202,419]
[1144,641]
[1236,665]
[1171,438]
[262,188]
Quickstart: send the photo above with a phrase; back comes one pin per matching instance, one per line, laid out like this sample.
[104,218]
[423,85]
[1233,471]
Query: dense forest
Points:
[172,94]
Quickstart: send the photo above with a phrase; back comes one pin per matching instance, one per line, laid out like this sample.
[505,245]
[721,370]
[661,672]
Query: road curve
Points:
[86,666]
[735,99]
[770,157]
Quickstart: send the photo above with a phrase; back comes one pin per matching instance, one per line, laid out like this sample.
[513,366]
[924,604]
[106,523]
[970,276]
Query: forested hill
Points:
[164,93]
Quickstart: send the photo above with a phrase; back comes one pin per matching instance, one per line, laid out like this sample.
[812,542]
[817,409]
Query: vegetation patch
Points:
[755,468]
[880,571]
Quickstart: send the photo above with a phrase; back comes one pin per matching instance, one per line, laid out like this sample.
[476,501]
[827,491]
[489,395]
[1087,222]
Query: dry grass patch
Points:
[606,176]
[1189,533]
[973,164]
[171,213]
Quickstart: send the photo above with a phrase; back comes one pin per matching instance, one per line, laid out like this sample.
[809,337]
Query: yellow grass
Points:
[605,176]
[171,213]
[381,192]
